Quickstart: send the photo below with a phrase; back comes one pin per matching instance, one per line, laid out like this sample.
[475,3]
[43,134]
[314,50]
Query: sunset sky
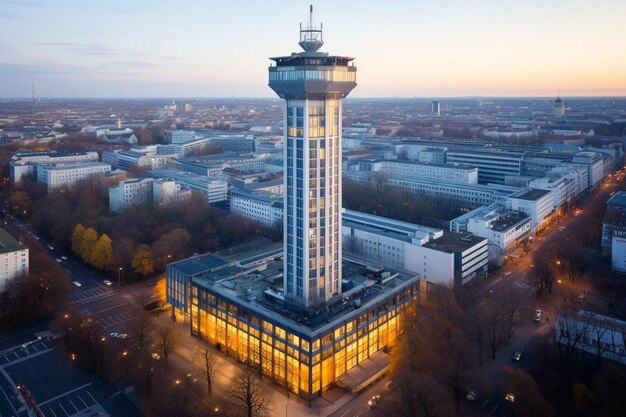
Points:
[206,48]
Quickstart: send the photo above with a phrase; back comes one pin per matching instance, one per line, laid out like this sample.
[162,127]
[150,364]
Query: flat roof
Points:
[452,242]
[8,243]
[259,289]
[199,264]
[530,194]
[617,200]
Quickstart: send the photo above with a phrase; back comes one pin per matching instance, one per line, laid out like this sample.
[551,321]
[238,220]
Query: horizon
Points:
[433,49]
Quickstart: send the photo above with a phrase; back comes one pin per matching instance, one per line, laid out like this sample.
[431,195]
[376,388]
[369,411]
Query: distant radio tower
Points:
[33,91]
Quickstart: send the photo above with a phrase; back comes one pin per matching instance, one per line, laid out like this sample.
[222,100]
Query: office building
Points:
[141,157]
[146,192]
[262,206]
[59,175]
[500,226]
[235,143]
[444,173]
[435,108]
[599,335]
[313,85]
[184,149]
[441,257]
[13,258]
[25,163]
[537,204]
[216,191]
[301,314]
[179,136]
[493,164]
[614,231]
[595,166]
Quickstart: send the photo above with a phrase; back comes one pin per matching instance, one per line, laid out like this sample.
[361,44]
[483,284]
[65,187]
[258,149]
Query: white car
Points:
[64,258]
[59,260]
[119,335]
[472,395]
[107,282]
[537,317]
[78,284]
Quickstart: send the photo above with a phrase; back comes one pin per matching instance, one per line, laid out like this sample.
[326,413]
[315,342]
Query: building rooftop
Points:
[530,194]
[618,200]
[255,282]
[8,243]
[452,242]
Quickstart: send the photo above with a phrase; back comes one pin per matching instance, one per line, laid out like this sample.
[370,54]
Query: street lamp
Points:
[119,277]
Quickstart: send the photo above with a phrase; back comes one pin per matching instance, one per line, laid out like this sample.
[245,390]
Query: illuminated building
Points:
[237,305]
[302,314]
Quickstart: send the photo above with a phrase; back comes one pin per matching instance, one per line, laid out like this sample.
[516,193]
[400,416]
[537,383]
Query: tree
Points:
[248,394]
[142,262]
[495,325]
[166,340]
[102,254]
[77,238]
[208,361]
[87,244]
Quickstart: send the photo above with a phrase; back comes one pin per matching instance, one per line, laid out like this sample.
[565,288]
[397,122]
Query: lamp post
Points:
[119,277]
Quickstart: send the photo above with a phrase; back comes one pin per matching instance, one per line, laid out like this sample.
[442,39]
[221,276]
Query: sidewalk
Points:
[183,359]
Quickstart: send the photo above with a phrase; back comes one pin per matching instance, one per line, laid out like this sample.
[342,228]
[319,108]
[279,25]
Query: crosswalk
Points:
[82,296]
[523,285]
[114,319]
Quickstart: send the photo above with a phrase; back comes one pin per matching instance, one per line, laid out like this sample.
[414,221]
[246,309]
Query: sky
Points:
[220,48]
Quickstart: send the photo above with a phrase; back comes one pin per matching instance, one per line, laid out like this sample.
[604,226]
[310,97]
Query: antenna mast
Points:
[311,36]
[33,91]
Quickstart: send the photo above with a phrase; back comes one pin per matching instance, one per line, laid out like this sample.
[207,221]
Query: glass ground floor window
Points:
[306,364]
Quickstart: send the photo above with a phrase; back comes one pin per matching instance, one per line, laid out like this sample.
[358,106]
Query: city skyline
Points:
[448,48]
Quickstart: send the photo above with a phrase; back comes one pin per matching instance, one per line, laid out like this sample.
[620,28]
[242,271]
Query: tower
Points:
[558,109]
[313,85]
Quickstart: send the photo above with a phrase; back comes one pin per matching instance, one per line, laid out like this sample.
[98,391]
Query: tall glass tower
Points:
[313,85]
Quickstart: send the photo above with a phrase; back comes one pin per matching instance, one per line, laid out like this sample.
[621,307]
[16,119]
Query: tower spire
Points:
[311,36]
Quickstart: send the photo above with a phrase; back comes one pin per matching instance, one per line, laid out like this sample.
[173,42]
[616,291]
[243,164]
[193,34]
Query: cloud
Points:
[100,50]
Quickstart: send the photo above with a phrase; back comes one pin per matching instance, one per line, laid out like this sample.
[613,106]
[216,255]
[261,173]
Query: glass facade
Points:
[312,200]
[304,360]
[335,74]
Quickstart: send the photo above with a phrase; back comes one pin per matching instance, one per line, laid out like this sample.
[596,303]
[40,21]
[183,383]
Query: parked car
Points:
[472,395]
[64,257]
[510,397]
[107,282]
[537,317]
[78,284]
[507,273]
[517,356]
[59,260]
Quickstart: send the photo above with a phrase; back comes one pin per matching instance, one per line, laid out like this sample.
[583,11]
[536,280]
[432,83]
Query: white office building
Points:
[538,204]
[145,192]
[55,176]
[13,258]
[183,149]
[261,206]
[417,170]
[25,163]
[594,163]
[438,256]
[500,226]
[179,136]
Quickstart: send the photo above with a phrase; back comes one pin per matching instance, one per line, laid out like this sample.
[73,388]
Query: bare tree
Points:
[495,326]
[248,394]
[208,360]
[166,340]
[140,327]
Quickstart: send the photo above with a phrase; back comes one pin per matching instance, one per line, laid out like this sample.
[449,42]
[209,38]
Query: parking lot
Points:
[79,297]
[59,388]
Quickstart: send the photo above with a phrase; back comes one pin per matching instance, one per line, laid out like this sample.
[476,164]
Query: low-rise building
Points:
[598,335]
[441,257]
[538,204]
[237,304]
[500,226]
[145,192]
[614,231]
[25,163]
[13,258]
[262,206]
[455,174]
[216,191]
[58,175]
